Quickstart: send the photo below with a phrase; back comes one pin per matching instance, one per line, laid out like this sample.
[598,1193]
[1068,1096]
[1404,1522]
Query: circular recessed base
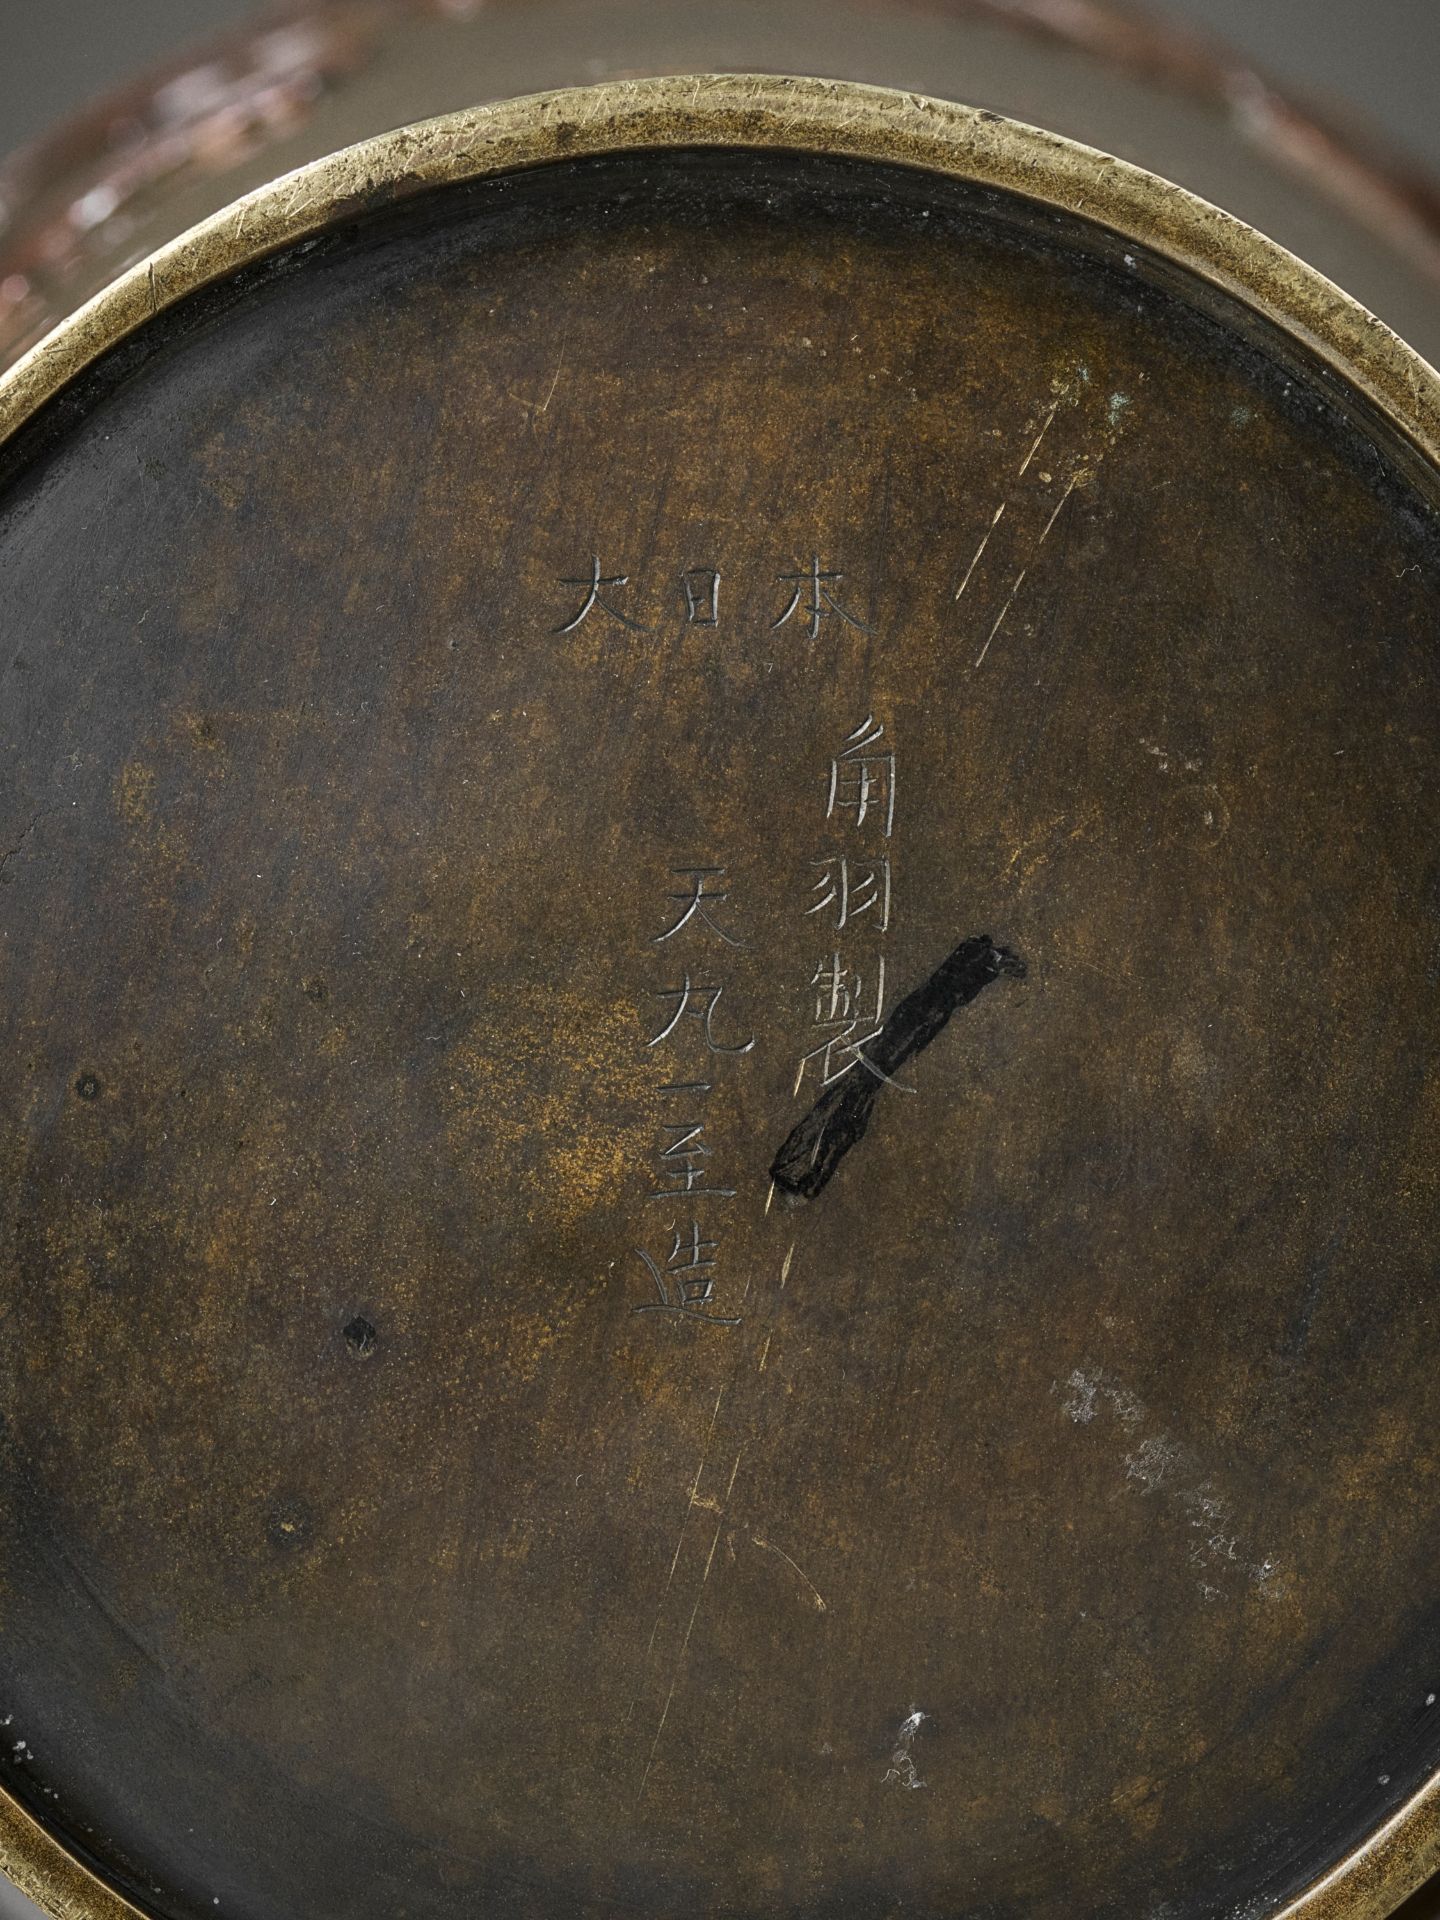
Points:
[721,984]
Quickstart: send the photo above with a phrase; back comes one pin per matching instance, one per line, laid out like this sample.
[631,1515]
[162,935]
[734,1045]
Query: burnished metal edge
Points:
[814,116]
[796,115]
[86,159]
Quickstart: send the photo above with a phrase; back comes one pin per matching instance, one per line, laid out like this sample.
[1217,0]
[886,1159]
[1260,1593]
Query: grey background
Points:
[1378,59]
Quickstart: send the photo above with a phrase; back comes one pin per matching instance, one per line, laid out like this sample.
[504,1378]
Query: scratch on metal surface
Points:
[1035,447]
[984,542]
[690,1626]
[1044,535]
[690,1505]
[768,1546]
[1000,617]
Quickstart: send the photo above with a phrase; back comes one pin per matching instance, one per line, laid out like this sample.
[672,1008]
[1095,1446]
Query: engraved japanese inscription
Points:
[717,961]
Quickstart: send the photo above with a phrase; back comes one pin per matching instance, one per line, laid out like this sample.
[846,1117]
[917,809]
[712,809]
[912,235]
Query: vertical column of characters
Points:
[853,898]
[691,1042]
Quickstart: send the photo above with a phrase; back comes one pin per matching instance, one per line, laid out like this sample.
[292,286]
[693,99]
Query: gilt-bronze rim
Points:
[805,116]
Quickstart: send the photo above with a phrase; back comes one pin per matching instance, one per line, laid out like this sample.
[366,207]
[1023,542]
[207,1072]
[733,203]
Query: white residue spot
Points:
[1152,1462]
[901,1771]
[1089,1386]
[1080,1404]
[1158,1467]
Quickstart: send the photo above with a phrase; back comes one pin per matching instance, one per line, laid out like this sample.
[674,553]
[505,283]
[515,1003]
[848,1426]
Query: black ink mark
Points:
[813,1150]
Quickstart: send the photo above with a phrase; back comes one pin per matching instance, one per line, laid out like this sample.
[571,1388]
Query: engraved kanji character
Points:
[702,596]
[706,1000]
[594,598]
[840,991]
[853,888]
[821,603]
[683,1160]
[690,1267]
[850,1025]
[863,782]
[696,902]
[837,1054]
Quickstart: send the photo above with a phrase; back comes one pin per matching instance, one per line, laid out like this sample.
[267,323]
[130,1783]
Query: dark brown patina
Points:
[1037,1520]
